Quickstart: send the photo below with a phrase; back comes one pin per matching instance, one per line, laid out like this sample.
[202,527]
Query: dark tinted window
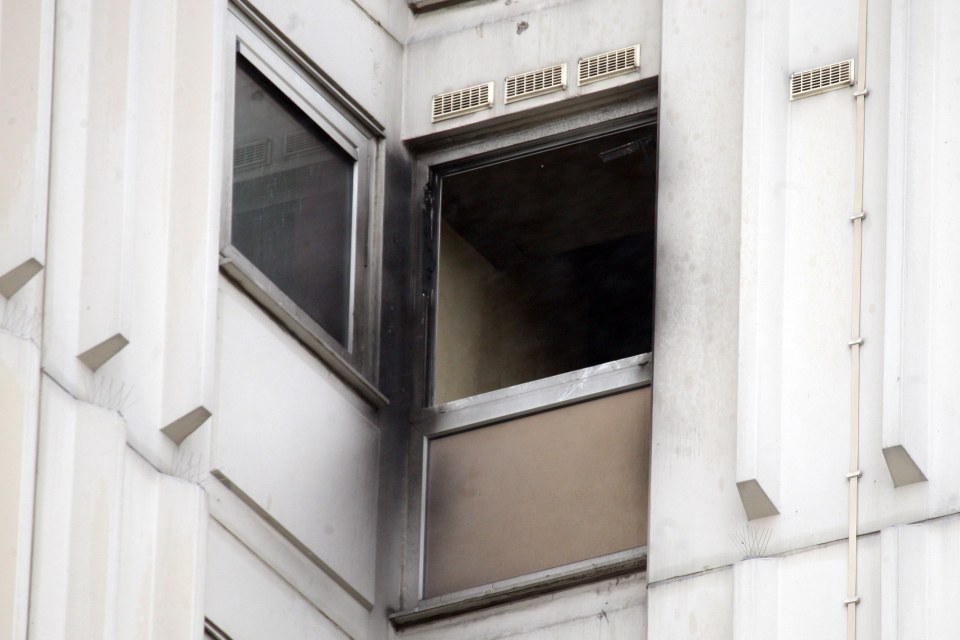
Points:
[292,213]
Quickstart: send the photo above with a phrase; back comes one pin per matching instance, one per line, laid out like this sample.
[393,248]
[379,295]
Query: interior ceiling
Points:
[557,200]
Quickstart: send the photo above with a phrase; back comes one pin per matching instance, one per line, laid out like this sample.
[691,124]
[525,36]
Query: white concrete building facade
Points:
[621,319]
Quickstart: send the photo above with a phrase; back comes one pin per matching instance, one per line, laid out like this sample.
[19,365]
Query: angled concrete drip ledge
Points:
[902,467]
[756,502]
[182,427]
[98,355]
[14,279]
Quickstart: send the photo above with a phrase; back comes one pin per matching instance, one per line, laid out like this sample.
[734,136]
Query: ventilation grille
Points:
[606,65]
[535,83]
[251,155]
[462,101]
[814,81]
[300,142]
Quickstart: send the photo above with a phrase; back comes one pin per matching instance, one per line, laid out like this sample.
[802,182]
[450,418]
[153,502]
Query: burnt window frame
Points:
[430,421]
[259,44]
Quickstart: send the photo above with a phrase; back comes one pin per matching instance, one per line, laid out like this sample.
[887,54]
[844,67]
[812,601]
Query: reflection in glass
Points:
[292,201]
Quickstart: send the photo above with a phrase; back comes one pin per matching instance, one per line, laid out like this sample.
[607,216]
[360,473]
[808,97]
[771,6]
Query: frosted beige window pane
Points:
[538,492]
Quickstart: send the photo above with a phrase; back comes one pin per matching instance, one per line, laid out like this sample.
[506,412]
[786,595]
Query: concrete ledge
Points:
[755,500]
[98,355]
[534,584]
[13,280]
[901,466]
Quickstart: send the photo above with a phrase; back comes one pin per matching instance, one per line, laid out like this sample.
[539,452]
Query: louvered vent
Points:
[607,65]
[814,81]
[535,83]
[300,142]
[461,102]
[251,155]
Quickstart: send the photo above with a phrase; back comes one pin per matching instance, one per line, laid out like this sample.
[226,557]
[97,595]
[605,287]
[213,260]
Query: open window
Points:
[536,409]
[546,263]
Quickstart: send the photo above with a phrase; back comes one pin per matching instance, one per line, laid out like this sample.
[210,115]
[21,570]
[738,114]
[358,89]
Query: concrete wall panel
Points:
[162,540]
[26,62]
[134,210]
[462,47]
[922,298]
[249,601]
[695,607]
[79,490]
[919,591]
[87,196]
[695,340]
[290,434]
[195,178]
[796,261]
[801,595]
[346,41]
[117,546]
[19,399]
[284,557]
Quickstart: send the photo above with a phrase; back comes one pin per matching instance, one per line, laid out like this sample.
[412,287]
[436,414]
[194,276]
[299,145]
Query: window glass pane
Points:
[292,201]
[537,492]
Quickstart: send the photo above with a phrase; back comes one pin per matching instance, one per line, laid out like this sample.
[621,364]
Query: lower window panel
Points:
[537,492]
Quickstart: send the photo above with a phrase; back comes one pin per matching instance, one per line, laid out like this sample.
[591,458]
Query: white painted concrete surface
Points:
[919,589]
[259,445]
[117,546]
[111,180]
[695,340]
[19,395]
[695,607]
[270,607]
[26,59]
[446,54]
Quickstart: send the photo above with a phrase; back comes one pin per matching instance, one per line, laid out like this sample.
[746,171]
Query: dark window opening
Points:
[546,263]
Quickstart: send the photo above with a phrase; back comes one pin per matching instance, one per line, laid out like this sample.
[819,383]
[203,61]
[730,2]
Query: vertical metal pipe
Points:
[853,477]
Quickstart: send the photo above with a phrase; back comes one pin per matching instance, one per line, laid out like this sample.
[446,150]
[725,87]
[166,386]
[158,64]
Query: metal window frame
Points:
[491,408]
[465,162]
[430,421]
[250,37]
[536,396]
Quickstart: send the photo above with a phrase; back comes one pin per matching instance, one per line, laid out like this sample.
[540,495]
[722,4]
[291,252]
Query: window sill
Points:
[531,585]
[294,320]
